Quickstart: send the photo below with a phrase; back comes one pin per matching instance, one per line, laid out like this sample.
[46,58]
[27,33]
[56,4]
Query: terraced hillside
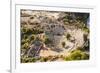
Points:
[54,36]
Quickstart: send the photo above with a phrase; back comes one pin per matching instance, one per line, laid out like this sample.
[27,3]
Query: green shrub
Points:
[65,19]
[63,44]
[25,36]
[27,40]
[26,30]
[85,56]
[47,41]
[32,37]
[37,31]
[44,59]
[25,46]
[23,41]
[28,59]
[37,39]
[68,58]
[68,36]
[80,48]
[77,55]
[85,29]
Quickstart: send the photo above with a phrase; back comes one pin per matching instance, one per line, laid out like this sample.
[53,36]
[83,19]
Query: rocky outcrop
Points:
[61,32]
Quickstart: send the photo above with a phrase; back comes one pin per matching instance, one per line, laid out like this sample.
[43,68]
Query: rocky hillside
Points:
[54,36]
